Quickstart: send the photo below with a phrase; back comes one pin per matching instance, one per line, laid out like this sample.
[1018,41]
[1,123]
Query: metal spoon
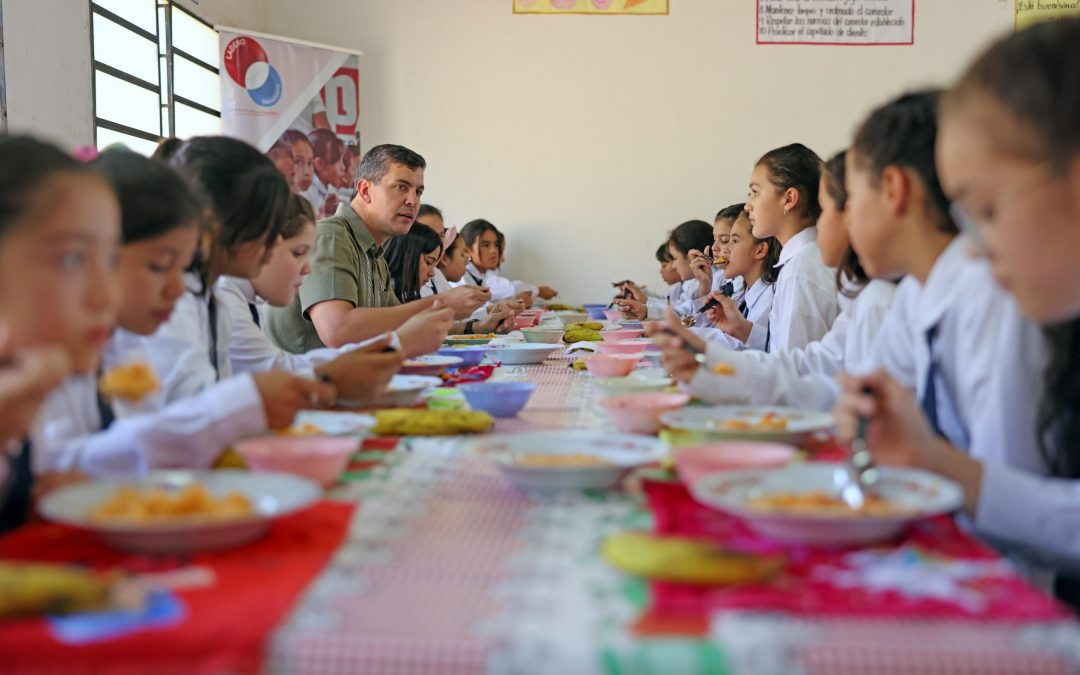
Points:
[858,475]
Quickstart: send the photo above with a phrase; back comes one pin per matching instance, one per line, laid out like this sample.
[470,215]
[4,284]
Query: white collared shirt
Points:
[759,302]
[189,328]
[251,351]
[437,284]
[163,431]
[804,306]
[803,378]
[501,288]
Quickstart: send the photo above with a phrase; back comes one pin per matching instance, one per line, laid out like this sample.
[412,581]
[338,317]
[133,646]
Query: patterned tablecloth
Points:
[450,569]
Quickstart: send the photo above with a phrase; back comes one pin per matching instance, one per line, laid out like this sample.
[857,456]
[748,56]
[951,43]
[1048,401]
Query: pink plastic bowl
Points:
[525,321]
[320,458]
[640,413]
[694,462]
[611,365]
[616,334]
[622,347]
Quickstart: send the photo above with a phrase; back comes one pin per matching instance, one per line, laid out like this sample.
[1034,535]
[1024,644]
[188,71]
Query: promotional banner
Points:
[300,104]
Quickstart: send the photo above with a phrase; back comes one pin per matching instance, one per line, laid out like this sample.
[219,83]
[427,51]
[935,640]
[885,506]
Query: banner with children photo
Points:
[298,103]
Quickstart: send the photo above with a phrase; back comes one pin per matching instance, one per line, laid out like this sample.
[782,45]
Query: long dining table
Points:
[443,566]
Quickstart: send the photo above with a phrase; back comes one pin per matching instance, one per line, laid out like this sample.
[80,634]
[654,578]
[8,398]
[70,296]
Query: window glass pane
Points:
[163,64]
[192,122]
[106,137]
[125,103]
[165,130]
[163,45]
[139,12]
[196,83]
[194,37]
[124,50]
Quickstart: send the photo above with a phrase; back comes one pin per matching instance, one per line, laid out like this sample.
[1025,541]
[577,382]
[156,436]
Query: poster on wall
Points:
[836,22]
[591,7]
[298,103]
[1029,12]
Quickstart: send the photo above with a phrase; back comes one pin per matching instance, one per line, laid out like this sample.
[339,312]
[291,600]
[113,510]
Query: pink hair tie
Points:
[85,153]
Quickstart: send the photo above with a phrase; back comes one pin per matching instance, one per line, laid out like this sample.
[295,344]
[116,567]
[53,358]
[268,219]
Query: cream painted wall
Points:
[47,66]
[584,138]
[47,62]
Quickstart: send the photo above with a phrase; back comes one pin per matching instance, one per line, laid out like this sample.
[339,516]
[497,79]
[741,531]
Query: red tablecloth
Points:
[227,626]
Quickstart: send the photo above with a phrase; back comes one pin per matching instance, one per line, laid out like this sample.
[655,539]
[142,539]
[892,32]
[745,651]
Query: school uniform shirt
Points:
[806,377]
[758,301]
[437,284]
[656,305]
[1023,511]
[251,351]
[683,304]
[804,306]
[961,303]
[163,431]
[317,194]
[719,280]
[501,288]
[190,328]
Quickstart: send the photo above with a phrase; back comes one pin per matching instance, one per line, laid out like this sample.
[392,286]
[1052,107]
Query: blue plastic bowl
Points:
[469,355]
[591,305]
[636,325]
[501,399]
[597,312]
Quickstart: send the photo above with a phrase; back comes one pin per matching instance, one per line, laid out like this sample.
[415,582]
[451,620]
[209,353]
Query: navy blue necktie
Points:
[255,314]
[16,503]
[929,398]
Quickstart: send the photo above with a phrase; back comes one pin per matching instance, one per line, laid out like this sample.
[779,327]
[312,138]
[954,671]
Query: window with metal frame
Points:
[154,73]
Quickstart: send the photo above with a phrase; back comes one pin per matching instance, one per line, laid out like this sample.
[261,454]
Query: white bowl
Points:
[574,317]
[542,335]
[920,494]
[801,424]
[429,364]
[631,384]
[272,495]
[521,353]
[622,452]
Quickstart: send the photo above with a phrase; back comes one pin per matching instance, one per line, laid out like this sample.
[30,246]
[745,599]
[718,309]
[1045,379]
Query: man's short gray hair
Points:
[376,162]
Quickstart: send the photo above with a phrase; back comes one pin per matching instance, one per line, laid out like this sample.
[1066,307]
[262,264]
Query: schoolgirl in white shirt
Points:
[806,377]
[59,231]
[710,267]
[1011,165]
[357,372]
[692,235]
[80,429]
[754,261]
[485,246]
[783,203]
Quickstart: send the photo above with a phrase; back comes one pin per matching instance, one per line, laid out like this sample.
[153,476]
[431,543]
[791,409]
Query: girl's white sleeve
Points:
[189,433]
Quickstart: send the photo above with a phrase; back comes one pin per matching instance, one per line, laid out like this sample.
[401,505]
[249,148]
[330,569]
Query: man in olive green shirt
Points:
[348,297]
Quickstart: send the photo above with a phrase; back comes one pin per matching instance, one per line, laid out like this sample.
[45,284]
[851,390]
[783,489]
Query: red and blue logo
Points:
[249,66]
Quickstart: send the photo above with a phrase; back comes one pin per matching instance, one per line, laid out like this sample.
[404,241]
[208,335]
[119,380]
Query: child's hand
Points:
[547,292]
[701,264]
[26,378]
[464,300]
[526,297]
[329,206]
[362,374]
[632,309]
[283,395]
[673,339]
[727,317]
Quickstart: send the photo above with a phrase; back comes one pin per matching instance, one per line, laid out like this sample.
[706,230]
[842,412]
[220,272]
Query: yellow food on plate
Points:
[131,382]
[574,459]
[413,422]
[686,561]
[822,503]
[194,502]
[579,364]
[723,369]
[304,429]
[31,589]
[477,336]
[585,325]
[581,335]
[768,422]
[563,307]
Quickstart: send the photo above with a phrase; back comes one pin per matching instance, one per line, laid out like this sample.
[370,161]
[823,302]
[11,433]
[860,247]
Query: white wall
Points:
[47,66]
[584,138]
[47,62]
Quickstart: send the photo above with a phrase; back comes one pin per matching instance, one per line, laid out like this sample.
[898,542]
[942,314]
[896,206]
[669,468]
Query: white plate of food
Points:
[330,423]
[429,364]
[751,423]
[521,353]
[180,511]
[800,503]
[569,459]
